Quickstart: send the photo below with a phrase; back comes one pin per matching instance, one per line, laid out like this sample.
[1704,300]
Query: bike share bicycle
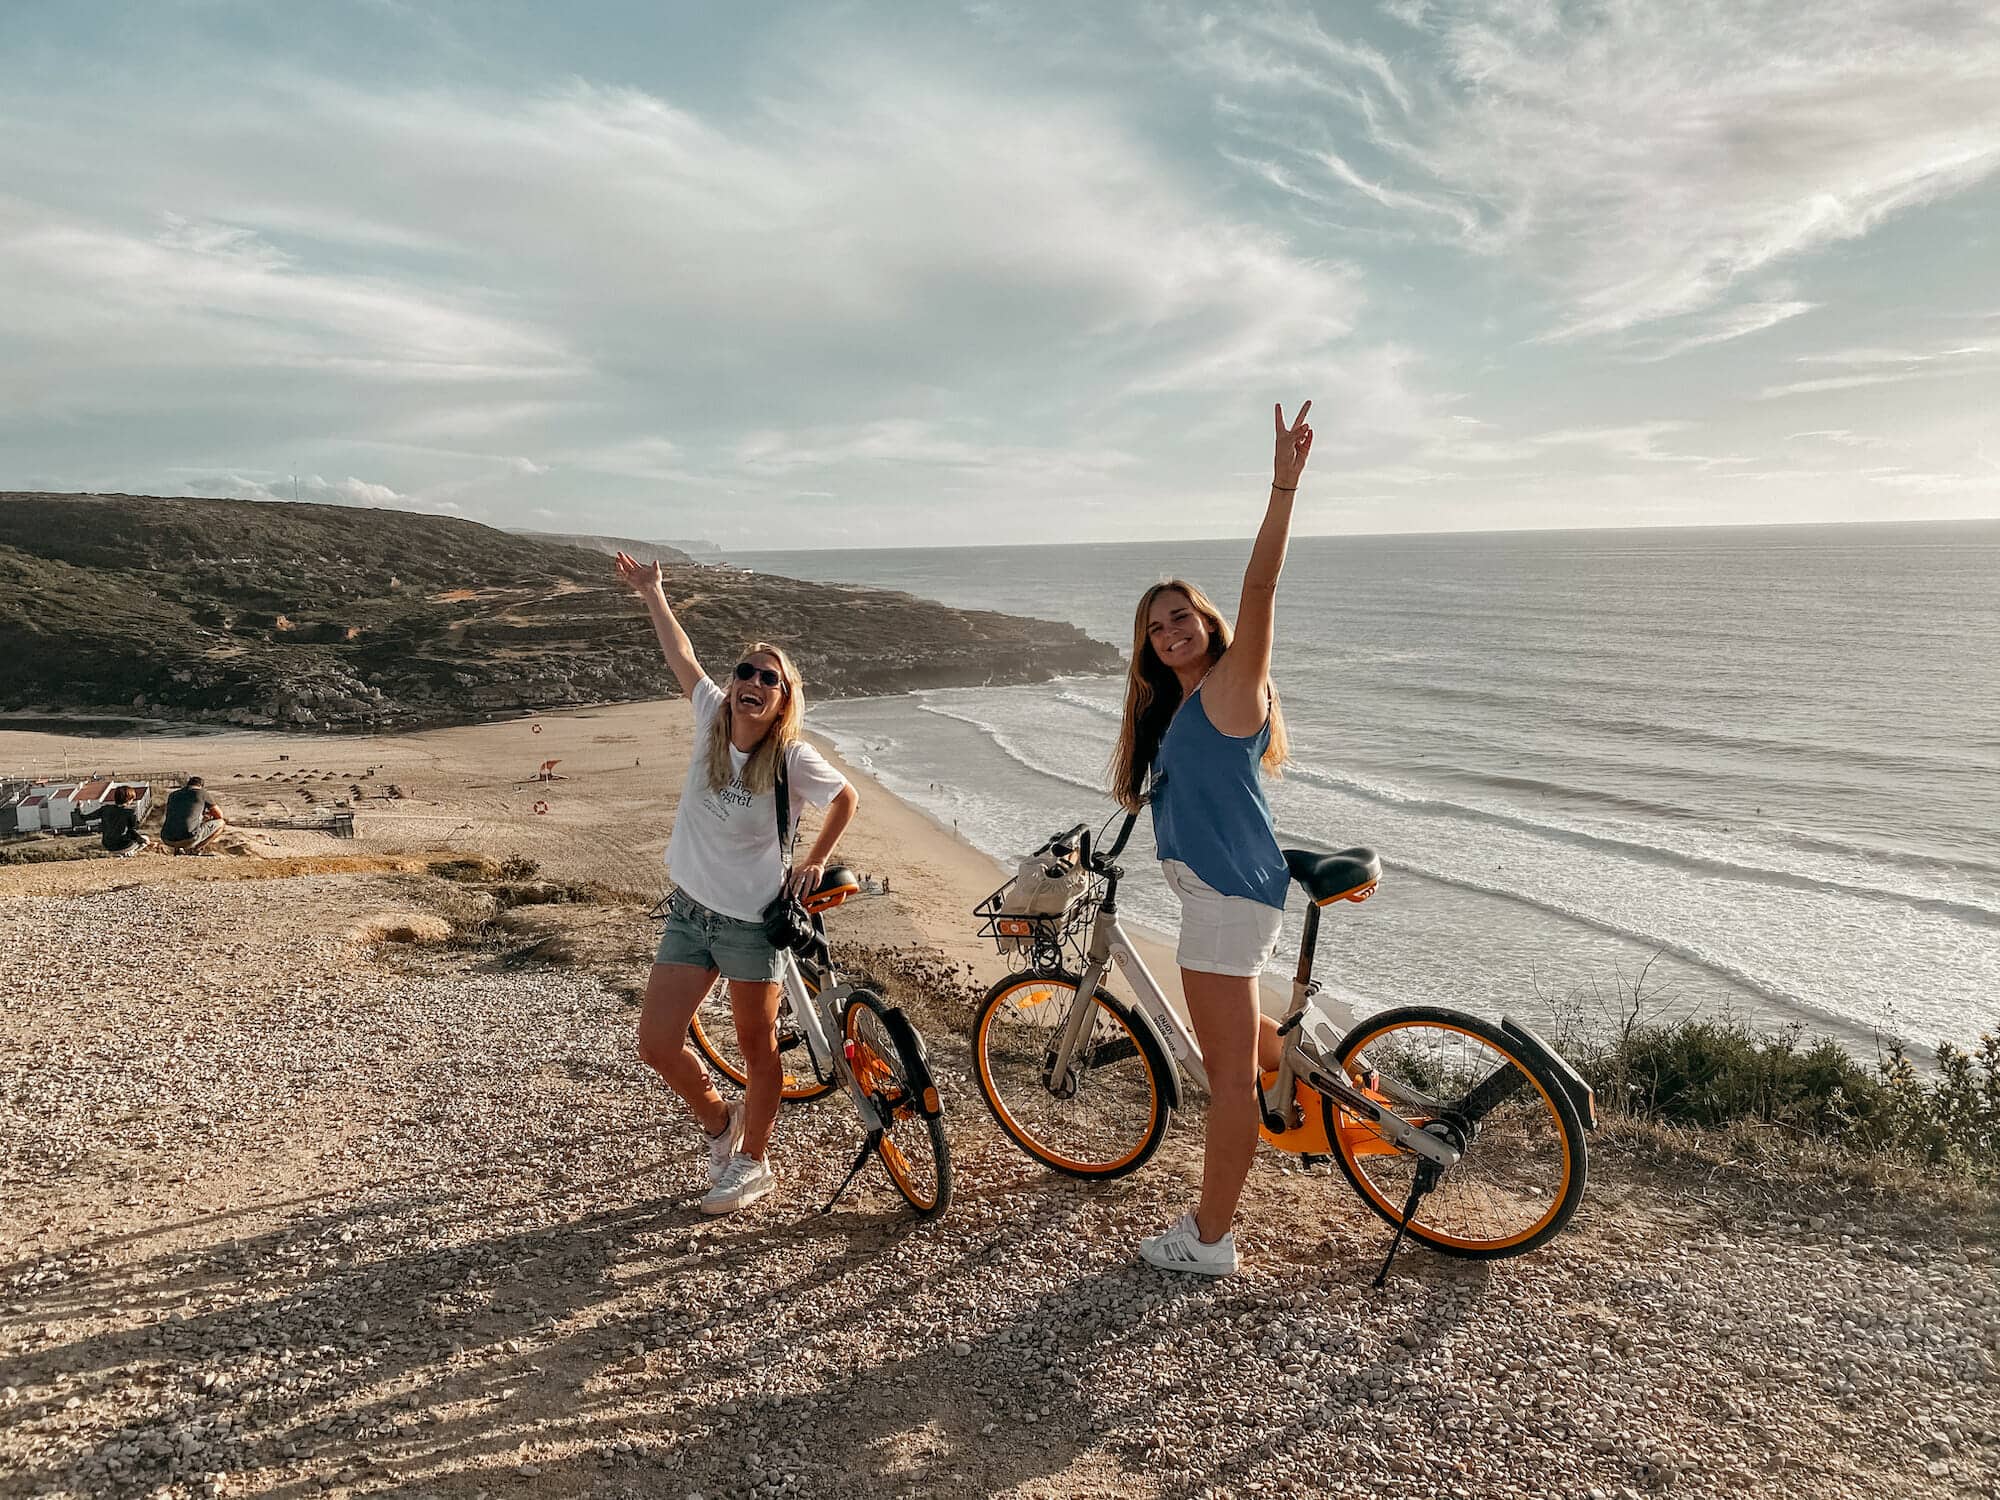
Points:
[1465,1135]
[849,1037]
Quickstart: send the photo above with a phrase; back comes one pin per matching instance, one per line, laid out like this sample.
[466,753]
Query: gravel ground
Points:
[286,1215]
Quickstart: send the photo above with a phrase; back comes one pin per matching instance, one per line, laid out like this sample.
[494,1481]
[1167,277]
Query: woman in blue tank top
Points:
[1201,717]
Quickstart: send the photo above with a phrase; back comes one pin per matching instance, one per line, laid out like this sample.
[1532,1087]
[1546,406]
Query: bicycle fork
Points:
[1061,1062]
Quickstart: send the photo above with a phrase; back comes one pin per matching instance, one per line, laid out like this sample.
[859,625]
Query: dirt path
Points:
[287,1217]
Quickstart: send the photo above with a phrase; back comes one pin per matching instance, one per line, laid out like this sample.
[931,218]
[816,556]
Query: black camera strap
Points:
[787,835]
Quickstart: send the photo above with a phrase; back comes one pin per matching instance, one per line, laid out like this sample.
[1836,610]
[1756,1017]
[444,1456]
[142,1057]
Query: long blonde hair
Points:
[1153,694]
[760,772]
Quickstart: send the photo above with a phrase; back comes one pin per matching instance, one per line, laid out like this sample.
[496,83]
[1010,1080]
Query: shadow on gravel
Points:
[539,1341]
[418,1334]
[326,1336]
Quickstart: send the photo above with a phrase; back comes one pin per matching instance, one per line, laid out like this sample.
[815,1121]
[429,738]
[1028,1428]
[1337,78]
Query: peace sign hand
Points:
[642,578]
[1294,445]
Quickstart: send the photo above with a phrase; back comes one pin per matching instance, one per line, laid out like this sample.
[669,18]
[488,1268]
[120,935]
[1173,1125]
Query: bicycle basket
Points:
[1040,910]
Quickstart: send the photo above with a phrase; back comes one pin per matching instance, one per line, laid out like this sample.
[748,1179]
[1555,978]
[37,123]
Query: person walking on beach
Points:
[191,818]
[729,868]
[119,825]
[1202,718]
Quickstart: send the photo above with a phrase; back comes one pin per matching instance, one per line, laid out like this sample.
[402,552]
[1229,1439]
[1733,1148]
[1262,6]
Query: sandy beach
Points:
[330,1173]
[605,817]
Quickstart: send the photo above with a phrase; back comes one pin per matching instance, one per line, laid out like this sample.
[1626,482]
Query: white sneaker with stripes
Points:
[723,1146]
[1180,1248]
[743,1182]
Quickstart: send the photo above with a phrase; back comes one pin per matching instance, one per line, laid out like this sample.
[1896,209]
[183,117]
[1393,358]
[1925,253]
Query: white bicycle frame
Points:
[817,1017]
[1109,945]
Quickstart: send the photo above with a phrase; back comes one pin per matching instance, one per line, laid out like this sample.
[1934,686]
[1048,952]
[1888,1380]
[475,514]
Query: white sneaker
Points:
[742,1183]
[1181,1249]
[725,1144]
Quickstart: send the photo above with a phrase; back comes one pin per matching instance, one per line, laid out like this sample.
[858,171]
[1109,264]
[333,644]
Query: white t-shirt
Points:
[724,850]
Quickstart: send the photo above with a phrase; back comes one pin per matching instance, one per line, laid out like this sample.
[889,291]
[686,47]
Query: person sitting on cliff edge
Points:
[192,818]
[119,824]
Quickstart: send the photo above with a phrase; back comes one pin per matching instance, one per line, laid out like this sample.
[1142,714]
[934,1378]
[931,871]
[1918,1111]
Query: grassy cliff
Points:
[335,616]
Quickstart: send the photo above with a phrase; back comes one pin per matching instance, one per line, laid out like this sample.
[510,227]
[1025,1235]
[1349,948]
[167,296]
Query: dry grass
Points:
[1763,1162]
[49,851]
[76,876]
[418,928]
[301,864]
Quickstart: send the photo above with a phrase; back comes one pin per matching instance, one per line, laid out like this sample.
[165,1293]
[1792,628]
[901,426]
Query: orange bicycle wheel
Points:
[1521,1172]
[713,1032]
[893,1078]
[1111,1117]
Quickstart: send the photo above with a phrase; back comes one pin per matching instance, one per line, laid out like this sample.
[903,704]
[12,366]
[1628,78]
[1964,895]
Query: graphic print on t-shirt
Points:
[724,850]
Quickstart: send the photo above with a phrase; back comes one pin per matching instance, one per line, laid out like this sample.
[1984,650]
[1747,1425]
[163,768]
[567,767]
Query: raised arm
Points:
[1235,697]
[648,581]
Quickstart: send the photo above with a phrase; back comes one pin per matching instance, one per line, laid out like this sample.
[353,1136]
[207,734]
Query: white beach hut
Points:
[11,793]
[61,810]
[30,814]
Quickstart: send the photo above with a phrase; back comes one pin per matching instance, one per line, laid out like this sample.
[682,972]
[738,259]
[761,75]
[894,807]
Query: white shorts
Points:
[1221,934]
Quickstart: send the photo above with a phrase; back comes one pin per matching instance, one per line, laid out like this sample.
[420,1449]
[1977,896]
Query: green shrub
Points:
[1717,1074]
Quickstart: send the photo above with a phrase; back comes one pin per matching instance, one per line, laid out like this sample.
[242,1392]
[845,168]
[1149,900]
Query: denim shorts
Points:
[705,939]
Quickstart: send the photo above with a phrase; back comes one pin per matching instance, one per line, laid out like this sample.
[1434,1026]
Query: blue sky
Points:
[873,275]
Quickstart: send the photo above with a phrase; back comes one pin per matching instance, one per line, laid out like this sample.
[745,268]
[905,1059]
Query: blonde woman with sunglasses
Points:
[728,868]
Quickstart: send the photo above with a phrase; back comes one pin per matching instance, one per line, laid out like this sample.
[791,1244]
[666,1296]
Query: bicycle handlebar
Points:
[1124,834]
[1077,841]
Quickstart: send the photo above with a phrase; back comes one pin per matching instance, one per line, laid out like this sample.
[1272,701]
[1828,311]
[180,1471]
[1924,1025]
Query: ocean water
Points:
[1763,761]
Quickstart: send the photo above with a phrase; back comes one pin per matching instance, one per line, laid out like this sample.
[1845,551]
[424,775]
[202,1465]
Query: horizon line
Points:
[1398,535]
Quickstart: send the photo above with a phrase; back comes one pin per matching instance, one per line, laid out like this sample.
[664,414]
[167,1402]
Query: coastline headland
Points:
[272,615]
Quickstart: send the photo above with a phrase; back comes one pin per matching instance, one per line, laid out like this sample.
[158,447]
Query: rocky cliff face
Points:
[330,616]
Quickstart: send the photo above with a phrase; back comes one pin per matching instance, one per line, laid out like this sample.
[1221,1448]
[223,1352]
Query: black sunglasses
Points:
[745,672]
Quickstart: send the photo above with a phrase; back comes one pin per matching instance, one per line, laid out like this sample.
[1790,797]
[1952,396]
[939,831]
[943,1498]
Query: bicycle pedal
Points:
[788,1040]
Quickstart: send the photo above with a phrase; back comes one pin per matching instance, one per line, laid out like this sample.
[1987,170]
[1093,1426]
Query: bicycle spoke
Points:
[1110,1109]
[1513,1176]
[714,1034]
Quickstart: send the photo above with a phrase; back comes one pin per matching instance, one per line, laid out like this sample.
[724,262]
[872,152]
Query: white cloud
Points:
[922,445]
[1836,383]
[925,273]
[872,241]
[1844,438]
[633,458]
[1644,159]
[1896,356]
[202,294]
[313,488]
[1729,323]
[1868,366]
